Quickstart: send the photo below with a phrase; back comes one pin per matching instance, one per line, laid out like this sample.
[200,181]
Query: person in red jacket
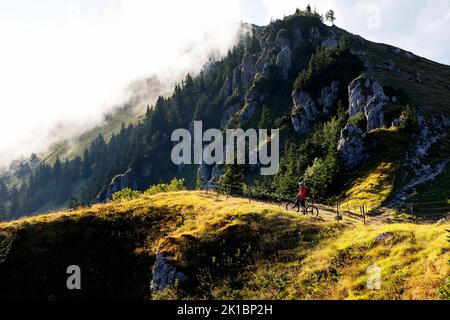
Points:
[302,194]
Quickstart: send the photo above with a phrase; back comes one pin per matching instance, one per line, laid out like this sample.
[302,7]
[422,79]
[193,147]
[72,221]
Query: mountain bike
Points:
[308,209]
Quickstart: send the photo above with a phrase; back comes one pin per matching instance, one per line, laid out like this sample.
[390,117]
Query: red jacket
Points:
[303,192]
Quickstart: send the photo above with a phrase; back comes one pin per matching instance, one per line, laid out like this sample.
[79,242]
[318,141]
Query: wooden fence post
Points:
[364,214]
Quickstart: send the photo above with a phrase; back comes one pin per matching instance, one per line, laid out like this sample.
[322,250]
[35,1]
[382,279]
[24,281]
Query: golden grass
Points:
[322,260]
[413,262]
[372,189]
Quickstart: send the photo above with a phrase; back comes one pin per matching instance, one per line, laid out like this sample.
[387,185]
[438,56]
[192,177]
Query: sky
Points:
[65,63]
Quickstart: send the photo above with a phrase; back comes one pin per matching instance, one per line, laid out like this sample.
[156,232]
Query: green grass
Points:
[229,248]
[69,149]
[431,95]
[375,181]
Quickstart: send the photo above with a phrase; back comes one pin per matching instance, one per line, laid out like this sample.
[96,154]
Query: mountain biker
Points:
[302,193]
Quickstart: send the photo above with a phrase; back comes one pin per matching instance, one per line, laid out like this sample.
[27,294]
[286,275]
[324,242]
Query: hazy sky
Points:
[65,62]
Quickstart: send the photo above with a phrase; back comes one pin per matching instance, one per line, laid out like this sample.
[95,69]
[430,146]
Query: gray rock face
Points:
[330,43]
[284,61]
[247,112]
[396,123]
[248,70]
[314,33]
[351,146]
[390,65]
[298,35]
[328,96]
[203,174]
[217,172]
[227,88]
[229,113]
[164,275]
[418,166]
[281,41]
[445,120]
[118,183]
[304,113]
[419,78]
[262,61]
[367,96]
[236,82]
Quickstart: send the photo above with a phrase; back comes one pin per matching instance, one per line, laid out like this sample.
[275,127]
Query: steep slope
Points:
[347,109]
[213,247]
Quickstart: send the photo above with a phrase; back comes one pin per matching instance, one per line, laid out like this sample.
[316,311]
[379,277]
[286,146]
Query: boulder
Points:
[304,112]
[381,237]
[119,182]
[284,61]
[165,274]
[351,146]
[366,95]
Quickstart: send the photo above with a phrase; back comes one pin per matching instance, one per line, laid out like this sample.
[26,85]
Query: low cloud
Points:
[63,67]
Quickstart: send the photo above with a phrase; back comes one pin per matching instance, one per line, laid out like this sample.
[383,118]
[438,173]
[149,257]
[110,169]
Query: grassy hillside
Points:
[228,248]
[69,149]
[432,93]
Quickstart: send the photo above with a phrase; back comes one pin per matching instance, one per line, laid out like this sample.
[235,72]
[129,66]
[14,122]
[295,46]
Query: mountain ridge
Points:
[293,74]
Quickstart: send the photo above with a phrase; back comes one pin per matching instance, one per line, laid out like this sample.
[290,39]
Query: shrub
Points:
[359,120]
[392,112]
[445,290]
[408,120]
[125,194]
[174,185]
[327,65]
[321,176]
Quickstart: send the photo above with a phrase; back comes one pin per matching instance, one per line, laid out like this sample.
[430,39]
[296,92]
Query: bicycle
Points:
[308,209]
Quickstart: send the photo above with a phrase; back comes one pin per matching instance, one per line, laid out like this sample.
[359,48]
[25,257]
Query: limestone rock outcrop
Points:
[351,146]
[366,95]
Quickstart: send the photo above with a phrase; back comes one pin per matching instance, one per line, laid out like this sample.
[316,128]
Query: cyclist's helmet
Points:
[301,183]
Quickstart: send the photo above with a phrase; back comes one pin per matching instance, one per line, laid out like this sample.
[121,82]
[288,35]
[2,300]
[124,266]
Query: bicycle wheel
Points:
[312,210]
[292,205]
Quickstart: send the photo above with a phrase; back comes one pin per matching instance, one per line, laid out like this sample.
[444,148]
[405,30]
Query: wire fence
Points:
[364,211]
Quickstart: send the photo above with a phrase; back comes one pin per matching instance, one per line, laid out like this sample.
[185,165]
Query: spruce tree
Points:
[232,180]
